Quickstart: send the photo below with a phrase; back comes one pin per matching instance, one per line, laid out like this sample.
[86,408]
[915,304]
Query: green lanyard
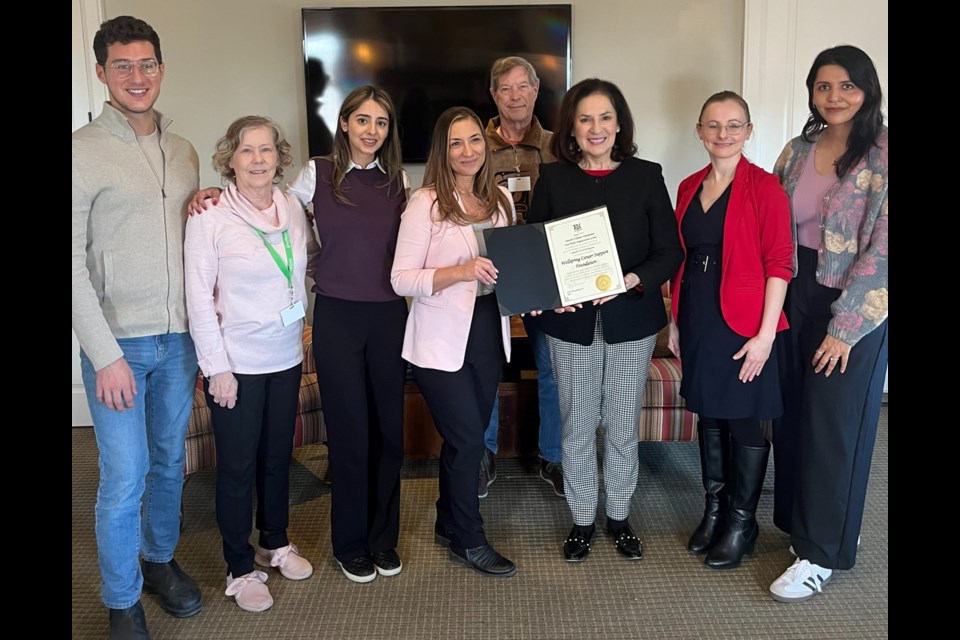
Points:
[285,269]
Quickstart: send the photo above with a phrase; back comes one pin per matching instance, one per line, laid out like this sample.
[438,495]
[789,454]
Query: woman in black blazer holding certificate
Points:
[601,349]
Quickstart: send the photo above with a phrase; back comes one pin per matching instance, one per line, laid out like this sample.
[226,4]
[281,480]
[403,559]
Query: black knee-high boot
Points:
[714,462]
[749,466]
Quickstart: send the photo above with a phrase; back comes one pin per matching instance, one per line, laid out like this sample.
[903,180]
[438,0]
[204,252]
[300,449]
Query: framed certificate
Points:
[546,265]
[584,256]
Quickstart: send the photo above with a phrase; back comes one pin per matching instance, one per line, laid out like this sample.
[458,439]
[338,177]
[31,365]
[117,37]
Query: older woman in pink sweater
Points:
[244,264]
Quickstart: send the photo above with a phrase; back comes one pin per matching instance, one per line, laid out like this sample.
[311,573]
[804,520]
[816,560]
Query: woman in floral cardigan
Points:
[834,357]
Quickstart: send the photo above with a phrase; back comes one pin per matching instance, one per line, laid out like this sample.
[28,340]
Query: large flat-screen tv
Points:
[428,59]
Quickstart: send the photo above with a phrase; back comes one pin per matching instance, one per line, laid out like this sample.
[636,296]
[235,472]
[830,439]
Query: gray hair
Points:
[503,65]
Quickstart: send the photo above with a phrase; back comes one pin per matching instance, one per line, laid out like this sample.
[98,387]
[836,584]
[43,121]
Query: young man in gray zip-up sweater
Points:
[132,179]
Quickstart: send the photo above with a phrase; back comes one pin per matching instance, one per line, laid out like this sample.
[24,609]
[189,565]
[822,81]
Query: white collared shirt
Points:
[303,186]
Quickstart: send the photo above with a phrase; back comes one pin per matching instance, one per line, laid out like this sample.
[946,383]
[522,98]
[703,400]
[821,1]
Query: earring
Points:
[618,129]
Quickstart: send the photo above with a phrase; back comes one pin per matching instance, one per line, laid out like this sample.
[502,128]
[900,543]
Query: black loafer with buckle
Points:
[624,539]
[577,545]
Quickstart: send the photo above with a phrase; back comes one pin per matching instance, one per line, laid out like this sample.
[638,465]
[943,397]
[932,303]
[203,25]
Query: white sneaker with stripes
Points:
[800,582]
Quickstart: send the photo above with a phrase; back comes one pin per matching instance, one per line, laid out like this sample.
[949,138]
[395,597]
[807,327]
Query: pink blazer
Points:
[439,322]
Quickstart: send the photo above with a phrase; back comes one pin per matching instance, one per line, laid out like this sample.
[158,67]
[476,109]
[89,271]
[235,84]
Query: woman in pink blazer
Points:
[455,339]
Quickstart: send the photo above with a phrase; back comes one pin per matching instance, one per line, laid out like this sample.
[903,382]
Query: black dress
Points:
[710,384]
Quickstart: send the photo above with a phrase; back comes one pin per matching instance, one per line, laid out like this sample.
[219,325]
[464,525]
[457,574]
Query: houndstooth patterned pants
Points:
[600,385]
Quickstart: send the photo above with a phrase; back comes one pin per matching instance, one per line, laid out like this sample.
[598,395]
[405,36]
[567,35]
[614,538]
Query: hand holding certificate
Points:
[555,264]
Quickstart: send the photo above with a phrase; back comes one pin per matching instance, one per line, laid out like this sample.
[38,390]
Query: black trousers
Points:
[356,348]
[823,444]
[254,443]
[461,403]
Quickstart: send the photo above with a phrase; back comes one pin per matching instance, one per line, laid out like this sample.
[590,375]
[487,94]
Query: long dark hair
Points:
[868,121]
[438,174]
[564,145]
[388,153]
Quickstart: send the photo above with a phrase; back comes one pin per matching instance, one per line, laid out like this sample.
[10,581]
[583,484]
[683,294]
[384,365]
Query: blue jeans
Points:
[141,461]
[550,449]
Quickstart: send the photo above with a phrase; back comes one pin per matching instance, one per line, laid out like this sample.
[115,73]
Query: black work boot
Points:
[749,465]
[714,456]
[178,593]
[129,623]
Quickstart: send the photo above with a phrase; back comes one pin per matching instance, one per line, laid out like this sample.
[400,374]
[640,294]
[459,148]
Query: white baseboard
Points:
[80,412]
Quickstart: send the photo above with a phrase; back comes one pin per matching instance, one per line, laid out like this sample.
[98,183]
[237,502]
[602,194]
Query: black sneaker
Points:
[488,473]
[552,474]
[387,562]
[360,569]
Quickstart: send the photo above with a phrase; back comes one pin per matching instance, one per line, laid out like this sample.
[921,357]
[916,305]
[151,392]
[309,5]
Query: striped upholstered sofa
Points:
[310,429]
[664,416]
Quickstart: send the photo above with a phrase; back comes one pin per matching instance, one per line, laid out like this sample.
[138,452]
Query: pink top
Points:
[235,290]
[811,190]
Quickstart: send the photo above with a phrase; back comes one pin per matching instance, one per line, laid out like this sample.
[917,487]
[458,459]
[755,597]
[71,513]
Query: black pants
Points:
[461,403]
[356,348]
[823,444]
[254,443]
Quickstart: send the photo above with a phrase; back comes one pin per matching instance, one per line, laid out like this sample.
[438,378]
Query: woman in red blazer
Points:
[455,339]
[734,222]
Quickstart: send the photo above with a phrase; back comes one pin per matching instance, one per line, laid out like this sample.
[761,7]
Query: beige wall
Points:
[226,58]
[783,37]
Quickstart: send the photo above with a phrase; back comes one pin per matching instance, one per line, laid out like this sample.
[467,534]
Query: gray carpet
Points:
[667,594]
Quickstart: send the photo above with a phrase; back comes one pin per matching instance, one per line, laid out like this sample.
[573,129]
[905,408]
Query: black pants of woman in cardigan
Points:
[823,444]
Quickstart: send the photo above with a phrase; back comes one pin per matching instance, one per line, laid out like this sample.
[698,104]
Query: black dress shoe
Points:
[485,560]
[577,545]
[440,535]
[129,623]
[625,540]
[178,593]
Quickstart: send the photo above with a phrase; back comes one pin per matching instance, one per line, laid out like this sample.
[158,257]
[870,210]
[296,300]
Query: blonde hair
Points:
[228,144]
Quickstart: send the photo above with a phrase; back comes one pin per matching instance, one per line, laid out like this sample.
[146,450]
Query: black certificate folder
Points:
[525,278]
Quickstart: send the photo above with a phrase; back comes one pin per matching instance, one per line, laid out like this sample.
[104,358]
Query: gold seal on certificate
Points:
[584,254]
